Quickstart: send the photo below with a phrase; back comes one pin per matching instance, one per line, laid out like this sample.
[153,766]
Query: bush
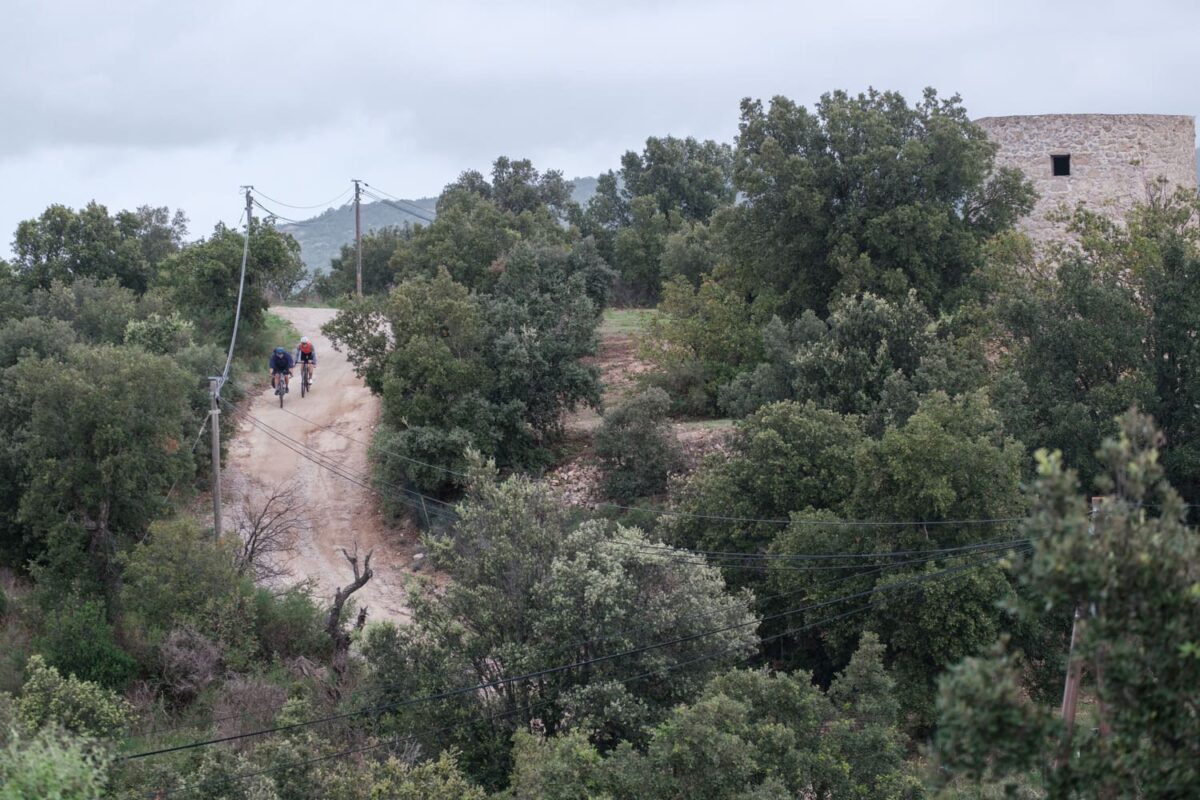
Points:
[290,624]
[78,706]
[171,577]
[50,765]
[636,447]
[36,337]
[189,662]
[158,334]
[78,640]
[701,339]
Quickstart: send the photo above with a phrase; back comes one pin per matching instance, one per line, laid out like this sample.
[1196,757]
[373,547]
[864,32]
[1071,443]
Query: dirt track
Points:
[339,512]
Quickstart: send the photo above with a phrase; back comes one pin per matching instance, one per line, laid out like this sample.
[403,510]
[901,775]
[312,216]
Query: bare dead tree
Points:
[339,636]
[268,524]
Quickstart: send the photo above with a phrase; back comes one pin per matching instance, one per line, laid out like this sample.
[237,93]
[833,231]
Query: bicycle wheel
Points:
[303,380]
[280,388]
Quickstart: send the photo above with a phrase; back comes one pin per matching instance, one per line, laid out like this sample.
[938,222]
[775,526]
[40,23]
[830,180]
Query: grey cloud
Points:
[305,93]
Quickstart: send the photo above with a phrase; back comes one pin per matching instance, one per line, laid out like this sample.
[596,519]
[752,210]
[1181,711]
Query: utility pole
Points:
[1075,665]
[214,383]
[214,391]
[357,236]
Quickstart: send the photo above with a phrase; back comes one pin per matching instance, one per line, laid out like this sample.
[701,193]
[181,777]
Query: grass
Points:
[278,330]
[705,424]
[626,321]
[255,347]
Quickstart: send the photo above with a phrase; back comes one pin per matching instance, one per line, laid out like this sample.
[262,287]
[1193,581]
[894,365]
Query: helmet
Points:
[303,340]
[279,350]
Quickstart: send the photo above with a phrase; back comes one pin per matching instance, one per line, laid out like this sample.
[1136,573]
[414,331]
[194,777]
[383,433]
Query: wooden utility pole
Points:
[357,236]
[214,391]
[214,384]
[1075,665]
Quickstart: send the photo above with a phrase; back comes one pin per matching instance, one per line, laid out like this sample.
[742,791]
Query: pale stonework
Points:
[1114,159]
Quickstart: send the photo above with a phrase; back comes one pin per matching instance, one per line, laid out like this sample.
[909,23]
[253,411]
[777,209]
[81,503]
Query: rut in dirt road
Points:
[339,414]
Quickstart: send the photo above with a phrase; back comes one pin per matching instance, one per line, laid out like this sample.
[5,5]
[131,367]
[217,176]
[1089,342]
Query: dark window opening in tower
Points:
[1060,165]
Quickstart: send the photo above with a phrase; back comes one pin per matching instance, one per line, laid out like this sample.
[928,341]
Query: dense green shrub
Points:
[78,640]
[71,703]
[52,766]
[174,574]
[636,447]
[289,623]
[162,335]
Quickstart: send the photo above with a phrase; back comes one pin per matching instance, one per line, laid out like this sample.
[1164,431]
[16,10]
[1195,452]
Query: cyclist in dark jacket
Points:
[281,363]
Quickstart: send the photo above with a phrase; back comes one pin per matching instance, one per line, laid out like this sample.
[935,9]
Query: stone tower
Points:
[1107,161]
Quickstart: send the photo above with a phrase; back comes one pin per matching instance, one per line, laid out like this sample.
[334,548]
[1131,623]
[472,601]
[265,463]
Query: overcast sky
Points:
[173,102]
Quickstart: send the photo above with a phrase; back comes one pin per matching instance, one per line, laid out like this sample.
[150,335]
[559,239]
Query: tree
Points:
[864,193]
[786,457]
[672,186]
[518,188]
[636,447]
[700,340]
[871,357]
[748,735]
[479,222]
[338,636]
[378,247]
[638,250]
[1135,564]
[494,371]
[104,442]
[99,310]
[1172,290]
[268,525]
[523,596]
[685,176]
[63,244]
[204,277]
[1077,345]
[159,232]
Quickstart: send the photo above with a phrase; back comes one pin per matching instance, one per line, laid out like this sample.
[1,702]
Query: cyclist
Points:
[306,353]
[281,363]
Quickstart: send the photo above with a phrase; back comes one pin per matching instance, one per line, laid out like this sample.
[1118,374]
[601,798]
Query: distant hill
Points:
[321,237]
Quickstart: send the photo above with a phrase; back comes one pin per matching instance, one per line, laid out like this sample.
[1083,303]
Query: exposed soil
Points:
[339,417]
[577,478]
[619,371]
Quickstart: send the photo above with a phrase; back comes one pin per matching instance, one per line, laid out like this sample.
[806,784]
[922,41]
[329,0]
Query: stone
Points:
[1115,160]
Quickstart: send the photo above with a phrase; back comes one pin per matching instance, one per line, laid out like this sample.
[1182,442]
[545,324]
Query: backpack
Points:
[306,348]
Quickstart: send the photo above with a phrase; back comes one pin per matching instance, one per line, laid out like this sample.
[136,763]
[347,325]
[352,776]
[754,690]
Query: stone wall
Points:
[1114,158]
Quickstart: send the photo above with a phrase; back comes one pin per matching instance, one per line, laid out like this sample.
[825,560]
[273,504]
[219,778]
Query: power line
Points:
[237,314]
[277,215]
[406,491]
[500,682]
[544,701]
[763,602]
[775,568]
[402,200]
[413,210]
[729,554]
[834,523]
[221,781]
[682,555]
[392,453]
[326,204]
[420,503]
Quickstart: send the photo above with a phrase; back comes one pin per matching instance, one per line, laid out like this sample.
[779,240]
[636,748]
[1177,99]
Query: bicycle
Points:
[281,386]
[305,374]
